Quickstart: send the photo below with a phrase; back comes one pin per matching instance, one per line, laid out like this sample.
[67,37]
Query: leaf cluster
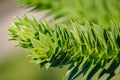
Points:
[88,49]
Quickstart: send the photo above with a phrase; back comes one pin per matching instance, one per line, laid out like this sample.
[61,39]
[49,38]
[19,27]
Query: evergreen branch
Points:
[90,49]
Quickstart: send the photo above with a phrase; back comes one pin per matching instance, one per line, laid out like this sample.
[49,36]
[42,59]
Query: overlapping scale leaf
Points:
[99,55]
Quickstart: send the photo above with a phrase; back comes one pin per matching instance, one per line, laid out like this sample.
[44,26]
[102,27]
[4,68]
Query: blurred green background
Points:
[20,68]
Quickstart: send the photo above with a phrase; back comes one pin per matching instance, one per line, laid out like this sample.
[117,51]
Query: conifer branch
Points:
[89,49]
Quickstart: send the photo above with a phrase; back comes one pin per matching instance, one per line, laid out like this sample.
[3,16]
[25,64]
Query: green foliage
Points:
[89,49]
[97,11]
